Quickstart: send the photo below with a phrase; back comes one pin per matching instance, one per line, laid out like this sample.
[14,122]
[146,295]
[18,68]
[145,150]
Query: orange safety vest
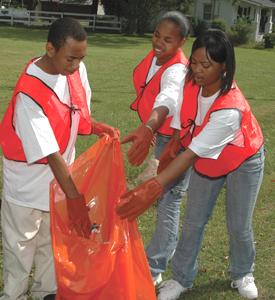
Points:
[58,113]
[232,156]
[147,92]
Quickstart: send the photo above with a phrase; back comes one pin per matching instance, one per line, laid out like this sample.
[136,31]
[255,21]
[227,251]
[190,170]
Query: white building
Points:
[207,10]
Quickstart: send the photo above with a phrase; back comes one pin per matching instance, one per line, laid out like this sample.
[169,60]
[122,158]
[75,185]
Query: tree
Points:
[139,13]
[94,7]
[32,4]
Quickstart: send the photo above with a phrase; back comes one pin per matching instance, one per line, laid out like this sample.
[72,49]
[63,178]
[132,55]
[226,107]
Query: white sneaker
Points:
[157,279]
[246,287]
[170,290]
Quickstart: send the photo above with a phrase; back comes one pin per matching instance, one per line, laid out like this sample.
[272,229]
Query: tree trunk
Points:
[94,7]
[133,26]
[133,19]
[32,4]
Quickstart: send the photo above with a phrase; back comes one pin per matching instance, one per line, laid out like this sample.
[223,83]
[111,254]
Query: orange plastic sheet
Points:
[112,264]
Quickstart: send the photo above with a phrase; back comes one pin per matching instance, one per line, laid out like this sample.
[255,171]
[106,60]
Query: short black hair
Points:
[220,48]
[179,19]
[65,28]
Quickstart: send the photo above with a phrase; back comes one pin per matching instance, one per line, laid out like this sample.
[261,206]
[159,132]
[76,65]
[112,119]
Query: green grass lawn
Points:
[110,61]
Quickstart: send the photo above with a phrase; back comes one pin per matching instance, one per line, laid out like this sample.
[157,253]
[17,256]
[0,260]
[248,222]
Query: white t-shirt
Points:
[27,184]
[223,128]
[169,85]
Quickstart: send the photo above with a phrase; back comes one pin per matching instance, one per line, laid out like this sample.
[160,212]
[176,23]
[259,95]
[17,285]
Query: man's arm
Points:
[76,204]
[62,174]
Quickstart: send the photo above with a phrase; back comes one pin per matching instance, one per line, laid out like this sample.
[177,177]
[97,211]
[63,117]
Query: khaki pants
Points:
[26,240]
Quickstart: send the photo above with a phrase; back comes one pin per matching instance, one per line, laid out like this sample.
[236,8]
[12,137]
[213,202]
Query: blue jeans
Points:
[242,188]
[165,236]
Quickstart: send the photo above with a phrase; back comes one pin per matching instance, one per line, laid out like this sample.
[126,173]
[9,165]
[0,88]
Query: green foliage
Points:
[233,2]
[139,13]
[17,4]
[112,7]
[240,33]
[180,5]
[269,40]
[219,24]
[200,28]
[273,28]
[194,23]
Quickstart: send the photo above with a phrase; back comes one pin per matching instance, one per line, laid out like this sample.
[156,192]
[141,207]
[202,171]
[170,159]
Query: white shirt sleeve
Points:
[223,128]
[170,87]
[32,125]
[33,129]
[176,122]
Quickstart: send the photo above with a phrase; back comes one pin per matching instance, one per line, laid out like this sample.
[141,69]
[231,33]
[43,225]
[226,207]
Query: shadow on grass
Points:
[21,32]
[214,290]
[95,38]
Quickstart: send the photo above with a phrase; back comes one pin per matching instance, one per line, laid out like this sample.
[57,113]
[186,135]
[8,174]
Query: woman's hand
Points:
[141,138]
[168,154]
[139,200]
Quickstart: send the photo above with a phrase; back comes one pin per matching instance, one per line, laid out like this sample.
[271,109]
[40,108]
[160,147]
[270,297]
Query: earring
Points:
[224,74]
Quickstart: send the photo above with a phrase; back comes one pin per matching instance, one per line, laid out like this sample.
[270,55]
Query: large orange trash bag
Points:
[112,264]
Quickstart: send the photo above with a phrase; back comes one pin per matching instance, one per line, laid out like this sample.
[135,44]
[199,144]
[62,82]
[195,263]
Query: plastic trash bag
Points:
[150,171]
[112,264]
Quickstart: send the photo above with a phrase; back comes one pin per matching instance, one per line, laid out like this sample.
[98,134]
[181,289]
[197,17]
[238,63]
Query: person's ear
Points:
[50,49]
[182,42]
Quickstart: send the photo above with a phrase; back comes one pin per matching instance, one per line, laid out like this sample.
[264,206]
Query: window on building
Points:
[207,12]
[240,10]
[244,11]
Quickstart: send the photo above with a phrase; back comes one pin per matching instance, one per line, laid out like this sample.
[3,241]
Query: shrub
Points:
[240,33]
[194,23]
[269,40]
[200,28]
[219,24]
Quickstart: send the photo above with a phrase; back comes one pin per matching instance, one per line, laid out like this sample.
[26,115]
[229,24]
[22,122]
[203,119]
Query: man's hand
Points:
[78,216]
[141,138]
[139,200]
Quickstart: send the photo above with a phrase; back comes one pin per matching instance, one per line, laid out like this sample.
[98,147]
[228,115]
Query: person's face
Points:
[67,60]
[206,71]
[166,42]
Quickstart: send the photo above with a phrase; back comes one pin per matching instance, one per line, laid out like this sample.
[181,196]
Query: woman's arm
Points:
[141,198]
[177,167]
[157,117]
[142,136]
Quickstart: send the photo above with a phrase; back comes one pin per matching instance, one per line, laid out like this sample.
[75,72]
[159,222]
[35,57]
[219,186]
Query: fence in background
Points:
[31,17]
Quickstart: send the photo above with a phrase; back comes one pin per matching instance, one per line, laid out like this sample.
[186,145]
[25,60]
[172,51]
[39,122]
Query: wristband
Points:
[149,127]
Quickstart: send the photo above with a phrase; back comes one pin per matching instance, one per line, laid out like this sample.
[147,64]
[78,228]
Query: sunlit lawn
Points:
[110,61]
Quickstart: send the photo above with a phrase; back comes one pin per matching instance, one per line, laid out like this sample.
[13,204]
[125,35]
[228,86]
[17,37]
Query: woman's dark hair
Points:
[179,19]
[220,48]
[65,28]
